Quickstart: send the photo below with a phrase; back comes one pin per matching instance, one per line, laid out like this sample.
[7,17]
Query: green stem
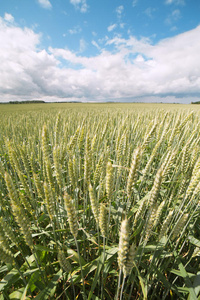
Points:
[79,257]
[119,282]
[122,288]
[102,286]
[20,273]
[73,286]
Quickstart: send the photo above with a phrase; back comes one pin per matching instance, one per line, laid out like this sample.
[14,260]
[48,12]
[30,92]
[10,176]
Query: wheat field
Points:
[99,201]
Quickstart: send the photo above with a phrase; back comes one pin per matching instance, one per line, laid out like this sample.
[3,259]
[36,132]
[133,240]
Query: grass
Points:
[72,174]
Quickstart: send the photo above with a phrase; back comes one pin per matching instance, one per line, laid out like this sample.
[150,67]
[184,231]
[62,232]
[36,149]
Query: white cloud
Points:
[176,14]
[81,5]
[149,12]
[176,2]
[134,3]
[75,30]
[174,28]
[9,18]
[173,17]
[83,45]
[95,45]
[112,27]
[133,69]
[45,4]
[119,10]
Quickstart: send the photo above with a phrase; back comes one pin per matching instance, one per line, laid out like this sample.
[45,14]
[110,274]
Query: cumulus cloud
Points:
[131,69]
[112,27]
[21,62]
[81,5]
[9,18]
[45,4]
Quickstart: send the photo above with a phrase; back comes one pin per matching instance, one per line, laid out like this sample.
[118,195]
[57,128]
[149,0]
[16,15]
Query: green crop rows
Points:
[99,201]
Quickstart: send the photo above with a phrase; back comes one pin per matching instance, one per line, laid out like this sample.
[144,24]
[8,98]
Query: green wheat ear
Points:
[109,180]
[156,187]
[72,217]
[94,203]
[5,255]
[49,200]
[127,268]
[57,129]
[133,171]
[103,220]
[150,222]
[7,231]
[141,210]
[165,225]
[57,166]
[71,173]
[179,226]
[45,143]
[13,194]
[38,184]
[2,170]
[3,238]
[123,244]
[23,222]
[64,263]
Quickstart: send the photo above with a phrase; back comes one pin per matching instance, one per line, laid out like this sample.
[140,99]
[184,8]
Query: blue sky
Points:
[89,50]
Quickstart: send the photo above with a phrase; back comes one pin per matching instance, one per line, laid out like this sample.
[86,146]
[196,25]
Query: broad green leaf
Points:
[9,279]
[19,294]
[75,256]
[90,238]
[49,291]
[178,273]
[24,293]
[3,269]
[194,241]
[33,279]
[186,278]
[196,285]
[43,248]
[97,274]
[144,288]
[166,283]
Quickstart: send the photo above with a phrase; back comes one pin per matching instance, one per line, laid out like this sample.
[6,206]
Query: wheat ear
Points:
[64,263]
[109,180]
[133,171]
[72,217]
[179,226]
[6,255]
[123,244]
[94,203]
[130,260]
[103,220]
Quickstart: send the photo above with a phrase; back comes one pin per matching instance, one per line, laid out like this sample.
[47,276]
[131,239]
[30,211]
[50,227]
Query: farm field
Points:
[99,201]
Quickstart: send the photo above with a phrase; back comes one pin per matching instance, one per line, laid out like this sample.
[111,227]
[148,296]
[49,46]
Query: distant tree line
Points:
[37,101]
[26,102]
[197,102]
